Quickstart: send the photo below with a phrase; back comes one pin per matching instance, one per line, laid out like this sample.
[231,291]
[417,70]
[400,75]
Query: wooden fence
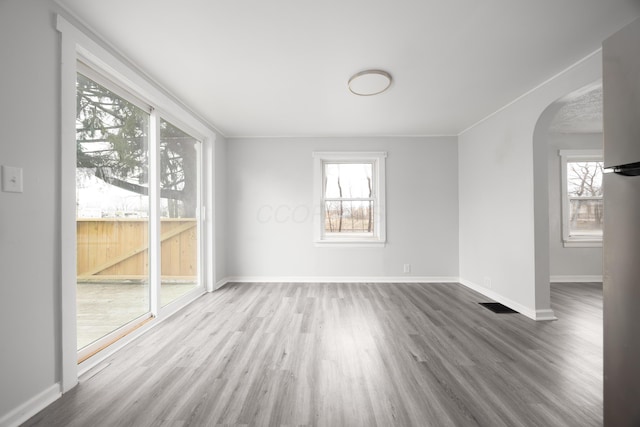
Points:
[114,248]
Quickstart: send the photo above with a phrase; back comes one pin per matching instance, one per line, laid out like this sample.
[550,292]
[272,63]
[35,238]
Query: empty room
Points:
[296,213]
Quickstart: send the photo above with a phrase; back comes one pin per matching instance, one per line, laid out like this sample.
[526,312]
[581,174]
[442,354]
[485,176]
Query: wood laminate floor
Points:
[351,355]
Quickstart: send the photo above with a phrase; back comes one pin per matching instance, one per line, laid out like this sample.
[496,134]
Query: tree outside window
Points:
[350,192]
[349,197]
[582,173]
[112,139]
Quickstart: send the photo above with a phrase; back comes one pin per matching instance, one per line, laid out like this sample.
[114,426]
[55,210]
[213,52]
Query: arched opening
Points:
[572,123]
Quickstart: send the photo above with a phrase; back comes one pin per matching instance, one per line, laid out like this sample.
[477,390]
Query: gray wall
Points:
[499,251]
[568,261]
[220,219]
[275,175]
[29,222]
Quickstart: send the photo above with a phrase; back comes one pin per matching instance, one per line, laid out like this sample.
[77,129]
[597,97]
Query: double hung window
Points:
[350,193]
[582,207]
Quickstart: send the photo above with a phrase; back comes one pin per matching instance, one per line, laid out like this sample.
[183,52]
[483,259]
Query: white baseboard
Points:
[220,283]
[337,279]
[31,407]
[546,314]
[575,279]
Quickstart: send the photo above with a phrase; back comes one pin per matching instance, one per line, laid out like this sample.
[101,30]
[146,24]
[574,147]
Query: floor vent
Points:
[496,307]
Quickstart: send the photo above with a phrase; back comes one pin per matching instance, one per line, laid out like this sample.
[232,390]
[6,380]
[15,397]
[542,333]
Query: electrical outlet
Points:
[487,282]
[406,268]
[11,179]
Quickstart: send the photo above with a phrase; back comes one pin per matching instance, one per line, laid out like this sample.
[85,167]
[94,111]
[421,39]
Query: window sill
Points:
[582,243]
[350,243]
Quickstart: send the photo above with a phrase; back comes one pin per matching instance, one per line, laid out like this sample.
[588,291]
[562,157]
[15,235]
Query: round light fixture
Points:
[369,82]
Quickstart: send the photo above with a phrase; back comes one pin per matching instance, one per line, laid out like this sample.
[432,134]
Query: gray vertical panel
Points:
[621,300]
[621,99]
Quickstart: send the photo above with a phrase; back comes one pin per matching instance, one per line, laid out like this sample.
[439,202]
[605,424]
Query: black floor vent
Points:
[496,307]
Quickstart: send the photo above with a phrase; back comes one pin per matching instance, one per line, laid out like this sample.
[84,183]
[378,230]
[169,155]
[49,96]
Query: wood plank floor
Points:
[351,355]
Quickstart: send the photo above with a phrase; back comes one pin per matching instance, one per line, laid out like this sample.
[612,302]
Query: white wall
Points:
[220,180]
[29,222]
[270,230]
[497,232]
[568,262]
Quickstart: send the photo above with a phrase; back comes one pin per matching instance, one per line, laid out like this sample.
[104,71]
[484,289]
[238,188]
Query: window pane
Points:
[349,217]
[585,217]
[178,205]
[584,179]
[348,180]
[584,182]
[112,210]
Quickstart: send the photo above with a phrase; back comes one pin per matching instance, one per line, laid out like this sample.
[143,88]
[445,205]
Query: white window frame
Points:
[378,237]
[569,156]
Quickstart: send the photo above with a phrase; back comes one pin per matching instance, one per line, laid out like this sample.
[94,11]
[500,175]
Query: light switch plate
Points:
[11,179]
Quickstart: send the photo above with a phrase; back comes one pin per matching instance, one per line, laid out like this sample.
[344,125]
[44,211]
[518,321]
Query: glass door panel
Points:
[179,212]
[112,212]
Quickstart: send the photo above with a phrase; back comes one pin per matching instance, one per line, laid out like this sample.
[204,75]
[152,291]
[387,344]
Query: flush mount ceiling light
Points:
[369,82]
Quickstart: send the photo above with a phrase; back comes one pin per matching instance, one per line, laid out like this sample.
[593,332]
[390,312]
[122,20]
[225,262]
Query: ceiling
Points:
[280,67]
[579,112]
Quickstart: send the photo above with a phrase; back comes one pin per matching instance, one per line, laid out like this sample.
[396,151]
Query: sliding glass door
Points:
[138,207]
[179,212]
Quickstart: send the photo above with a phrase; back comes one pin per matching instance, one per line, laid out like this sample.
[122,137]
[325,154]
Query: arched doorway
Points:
[573,122]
